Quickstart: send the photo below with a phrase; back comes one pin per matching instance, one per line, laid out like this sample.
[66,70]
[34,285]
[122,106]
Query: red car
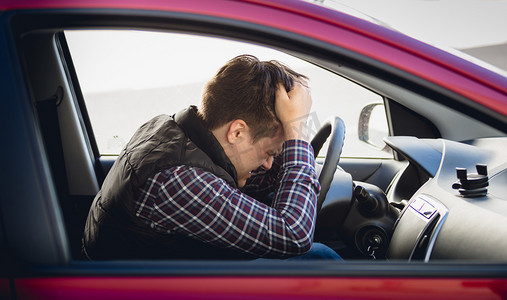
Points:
[416,205]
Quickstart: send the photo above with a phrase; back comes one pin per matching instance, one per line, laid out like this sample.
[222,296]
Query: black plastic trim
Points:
[274,269]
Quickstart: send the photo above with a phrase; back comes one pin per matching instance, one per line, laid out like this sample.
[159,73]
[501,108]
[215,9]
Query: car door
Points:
[57,160]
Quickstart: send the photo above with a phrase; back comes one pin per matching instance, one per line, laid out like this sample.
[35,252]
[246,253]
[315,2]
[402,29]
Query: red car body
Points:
[483,90]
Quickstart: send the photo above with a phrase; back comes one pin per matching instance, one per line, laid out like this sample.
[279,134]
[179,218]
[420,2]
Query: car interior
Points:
[440,196]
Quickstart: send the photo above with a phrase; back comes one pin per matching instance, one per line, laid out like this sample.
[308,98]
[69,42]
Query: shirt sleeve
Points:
[198,204]
[261,177]
[263,184]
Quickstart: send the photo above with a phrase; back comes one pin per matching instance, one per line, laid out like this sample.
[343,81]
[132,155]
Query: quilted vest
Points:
[112,230]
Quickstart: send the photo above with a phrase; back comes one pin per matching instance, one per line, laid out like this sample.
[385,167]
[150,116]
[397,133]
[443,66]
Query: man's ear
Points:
[237,131]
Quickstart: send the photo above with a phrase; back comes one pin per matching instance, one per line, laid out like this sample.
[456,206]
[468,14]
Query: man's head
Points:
[238,106]
[244,88]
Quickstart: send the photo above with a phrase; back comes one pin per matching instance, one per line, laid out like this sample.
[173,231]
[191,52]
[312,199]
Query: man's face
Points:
[250,156]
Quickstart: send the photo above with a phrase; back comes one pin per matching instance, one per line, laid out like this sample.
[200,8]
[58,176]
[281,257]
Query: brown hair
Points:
[244,88]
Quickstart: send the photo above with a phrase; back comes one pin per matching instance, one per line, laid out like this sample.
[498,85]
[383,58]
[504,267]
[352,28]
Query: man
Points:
[233,179]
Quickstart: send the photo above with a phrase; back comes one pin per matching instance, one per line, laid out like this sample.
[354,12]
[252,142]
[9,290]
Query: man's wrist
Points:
[296,131]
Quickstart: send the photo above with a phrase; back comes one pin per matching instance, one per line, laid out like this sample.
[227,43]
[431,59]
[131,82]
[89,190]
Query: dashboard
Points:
[455,200]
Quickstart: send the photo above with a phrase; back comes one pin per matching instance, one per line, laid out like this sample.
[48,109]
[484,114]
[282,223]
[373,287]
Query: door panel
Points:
[277,288]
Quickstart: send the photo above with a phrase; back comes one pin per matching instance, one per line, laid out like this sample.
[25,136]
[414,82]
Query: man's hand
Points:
[292,110]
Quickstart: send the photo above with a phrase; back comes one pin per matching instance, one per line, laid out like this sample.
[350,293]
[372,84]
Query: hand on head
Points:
[293,108]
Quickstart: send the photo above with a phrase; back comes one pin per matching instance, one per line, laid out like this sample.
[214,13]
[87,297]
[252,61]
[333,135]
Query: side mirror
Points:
[372,127]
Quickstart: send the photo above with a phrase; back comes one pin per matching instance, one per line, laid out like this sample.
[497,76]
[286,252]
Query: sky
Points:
[458,24]
[140,59]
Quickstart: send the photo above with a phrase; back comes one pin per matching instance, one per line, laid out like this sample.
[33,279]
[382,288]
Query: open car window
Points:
[128,77]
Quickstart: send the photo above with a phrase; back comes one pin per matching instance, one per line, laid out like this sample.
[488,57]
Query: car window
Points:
[128,77]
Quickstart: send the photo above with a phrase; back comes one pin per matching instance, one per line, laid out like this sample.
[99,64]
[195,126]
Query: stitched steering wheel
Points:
[334,130]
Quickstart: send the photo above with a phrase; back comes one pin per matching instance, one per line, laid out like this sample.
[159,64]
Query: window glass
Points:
[128,77]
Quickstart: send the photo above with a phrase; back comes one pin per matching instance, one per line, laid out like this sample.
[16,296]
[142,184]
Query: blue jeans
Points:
[317,251]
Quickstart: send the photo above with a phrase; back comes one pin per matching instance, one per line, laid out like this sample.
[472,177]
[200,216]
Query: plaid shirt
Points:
[196,203]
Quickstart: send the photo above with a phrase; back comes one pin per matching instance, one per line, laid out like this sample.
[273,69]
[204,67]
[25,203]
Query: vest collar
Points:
[195,130]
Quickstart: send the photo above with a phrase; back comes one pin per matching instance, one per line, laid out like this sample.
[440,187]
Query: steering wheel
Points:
[334,129]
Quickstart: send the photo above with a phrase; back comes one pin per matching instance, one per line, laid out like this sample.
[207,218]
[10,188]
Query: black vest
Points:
[113,231]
